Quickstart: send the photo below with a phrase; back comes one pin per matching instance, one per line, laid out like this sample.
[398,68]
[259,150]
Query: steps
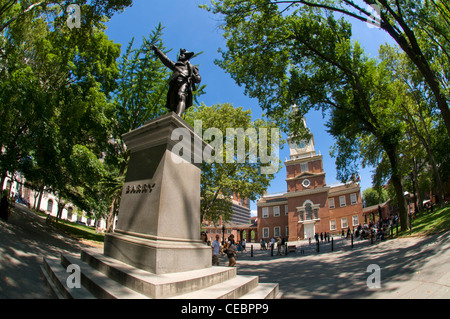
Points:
[231,289]
[107,278]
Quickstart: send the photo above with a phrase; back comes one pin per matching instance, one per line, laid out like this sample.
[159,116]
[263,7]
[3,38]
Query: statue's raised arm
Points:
[164,59]
[182,81]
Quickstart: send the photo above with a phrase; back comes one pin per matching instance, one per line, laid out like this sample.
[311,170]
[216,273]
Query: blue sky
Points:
[199,32]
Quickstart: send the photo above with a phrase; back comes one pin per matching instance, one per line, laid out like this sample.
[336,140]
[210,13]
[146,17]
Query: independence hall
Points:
[309,205]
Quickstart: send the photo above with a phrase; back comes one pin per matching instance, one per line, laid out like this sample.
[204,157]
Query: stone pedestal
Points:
[156,251]
[158,226]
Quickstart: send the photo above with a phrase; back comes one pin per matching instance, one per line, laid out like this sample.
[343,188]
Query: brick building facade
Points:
[310,205]
[239,225]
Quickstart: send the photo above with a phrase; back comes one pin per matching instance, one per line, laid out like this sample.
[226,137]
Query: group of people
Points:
[376,230]
[323,236]
[280,243]
[230,248]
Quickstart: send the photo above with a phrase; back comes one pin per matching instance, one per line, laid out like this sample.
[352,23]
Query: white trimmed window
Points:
[304,167]
[286,230]
[333,224]
[353,199]
[331,202]
[286,210]
[344,223]
[265,212]
[355,220]
[265,233]
[276,211]
[50,206]
[342,201]
[276,231]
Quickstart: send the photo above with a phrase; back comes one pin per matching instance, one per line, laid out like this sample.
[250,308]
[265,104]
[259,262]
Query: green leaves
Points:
[142,85]
[230,176]
[55,83]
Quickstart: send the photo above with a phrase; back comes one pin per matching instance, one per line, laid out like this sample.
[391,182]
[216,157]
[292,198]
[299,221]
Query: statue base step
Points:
[107,278]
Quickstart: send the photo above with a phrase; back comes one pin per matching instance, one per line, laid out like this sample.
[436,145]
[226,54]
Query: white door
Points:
[309,231]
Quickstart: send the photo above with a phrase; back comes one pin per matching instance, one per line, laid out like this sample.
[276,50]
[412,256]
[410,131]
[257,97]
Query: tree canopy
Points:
[55,84]
[230,172]
[420,28]
[302,54]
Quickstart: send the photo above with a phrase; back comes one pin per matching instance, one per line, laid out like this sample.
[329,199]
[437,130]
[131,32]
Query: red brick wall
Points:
[296,229]
[271,222]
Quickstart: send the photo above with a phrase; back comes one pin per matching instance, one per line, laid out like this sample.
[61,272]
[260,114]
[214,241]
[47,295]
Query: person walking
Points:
[263,244]
[231,251]
[216,251]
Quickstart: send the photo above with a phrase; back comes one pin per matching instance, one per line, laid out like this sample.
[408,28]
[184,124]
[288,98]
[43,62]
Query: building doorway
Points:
[309,230]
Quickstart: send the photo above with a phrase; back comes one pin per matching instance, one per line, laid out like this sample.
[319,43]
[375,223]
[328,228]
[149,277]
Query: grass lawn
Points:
[430,223]
[79,231]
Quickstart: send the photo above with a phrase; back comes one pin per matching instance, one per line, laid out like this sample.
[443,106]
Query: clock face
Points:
[306,183]
[301,145]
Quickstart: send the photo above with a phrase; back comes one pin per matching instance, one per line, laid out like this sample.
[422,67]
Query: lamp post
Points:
[223,234]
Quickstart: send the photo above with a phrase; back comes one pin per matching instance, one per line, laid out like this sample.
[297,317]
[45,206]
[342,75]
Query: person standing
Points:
[279,245]
[215,251]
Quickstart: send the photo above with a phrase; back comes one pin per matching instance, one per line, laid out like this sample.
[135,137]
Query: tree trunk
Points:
[111,215]
[2,180]
[37,196]
[61,206]
[417,195]
[398,187]
[40,199]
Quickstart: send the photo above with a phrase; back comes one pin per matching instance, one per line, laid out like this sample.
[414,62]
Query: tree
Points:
[308,59]
[13,11]
[232,173]
[415,110]
[55,82]
[410,23]
[373,197]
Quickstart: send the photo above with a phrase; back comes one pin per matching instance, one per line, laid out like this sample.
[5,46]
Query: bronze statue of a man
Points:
[182,82]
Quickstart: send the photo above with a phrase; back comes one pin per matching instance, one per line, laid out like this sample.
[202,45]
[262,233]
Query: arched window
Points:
[69,213]
[50,206]
[308,211]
